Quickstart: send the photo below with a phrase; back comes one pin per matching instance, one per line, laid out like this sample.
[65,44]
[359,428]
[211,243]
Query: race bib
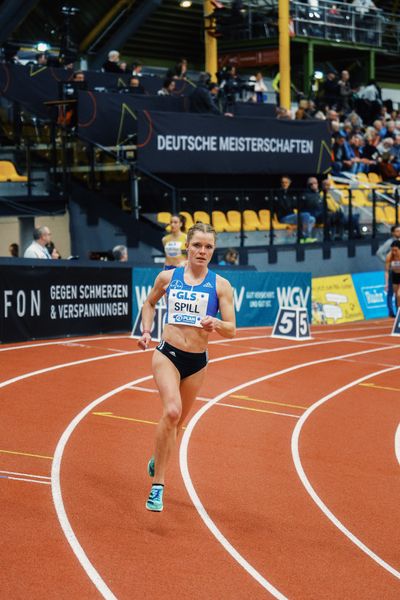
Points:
[186,307]
[173,249]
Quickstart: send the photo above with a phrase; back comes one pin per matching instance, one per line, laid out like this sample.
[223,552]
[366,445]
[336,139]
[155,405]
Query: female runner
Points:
[392,270]
[175,243]
[194,296]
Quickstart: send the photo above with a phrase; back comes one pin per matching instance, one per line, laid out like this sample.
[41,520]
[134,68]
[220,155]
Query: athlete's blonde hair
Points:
[201,227]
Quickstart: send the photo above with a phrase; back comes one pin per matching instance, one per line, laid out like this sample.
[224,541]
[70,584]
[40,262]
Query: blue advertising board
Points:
[257,295]
[370,289]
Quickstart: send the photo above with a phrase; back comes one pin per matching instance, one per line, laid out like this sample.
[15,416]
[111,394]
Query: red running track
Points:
[286,483]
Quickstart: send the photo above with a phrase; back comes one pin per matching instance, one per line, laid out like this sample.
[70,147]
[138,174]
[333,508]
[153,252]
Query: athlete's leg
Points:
[167,379]
[396,292]
[189,389]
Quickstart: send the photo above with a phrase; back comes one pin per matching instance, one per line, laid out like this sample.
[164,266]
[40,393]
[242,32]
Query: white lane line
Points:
[131,352]
[24,479]
[306,482]
[26,475]
[397,444]
[183,461]
[66,342]
[77,549]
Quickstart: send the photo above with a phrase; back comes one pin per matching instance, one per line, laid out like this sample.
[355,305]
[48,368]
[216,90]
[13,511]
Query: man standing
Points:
[41,237]
[382,252]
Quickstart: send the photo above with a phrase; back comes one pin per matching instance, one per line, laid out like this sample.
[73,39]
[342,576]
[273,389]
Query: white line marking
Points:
[89,569]
[28,480]
[306,483]
[26,475]
[67,342]
[397,444]
[183,461]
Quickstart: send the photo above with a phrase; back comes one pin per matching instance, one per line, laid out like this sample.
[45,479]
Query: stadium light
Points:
[42,47]
[185,3]
[318,75]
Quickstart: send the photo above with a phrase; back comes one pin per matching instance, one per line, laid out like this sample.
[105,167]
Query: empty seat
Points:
[374,178]
[360,198]
[164,218]
[362,177]
[219,221]
[201,215]
[8,172]
[264,216]
[234,220]
[251,221]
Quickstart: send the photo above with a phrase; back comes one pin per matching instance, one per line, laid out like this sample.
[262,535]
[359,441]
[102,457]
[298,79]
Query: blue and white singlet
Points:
[189,304]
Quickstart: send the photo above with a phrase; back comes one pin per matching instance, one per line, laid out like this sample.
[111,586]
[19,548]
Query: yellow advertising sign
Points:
[334,300]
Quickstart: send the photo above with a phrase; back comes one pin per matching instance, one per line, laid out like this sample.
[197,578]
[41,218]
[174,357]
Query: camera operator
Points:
[231,87]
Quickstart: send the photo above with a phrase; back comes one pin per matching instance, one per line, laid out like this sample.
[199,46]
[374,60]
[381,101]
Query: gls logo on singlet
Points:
[186,295]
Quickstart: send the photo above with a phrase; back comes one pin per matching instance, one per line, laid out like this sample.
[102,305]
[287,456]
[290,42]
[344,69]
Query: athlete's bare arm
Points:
[149,307]
[226,327]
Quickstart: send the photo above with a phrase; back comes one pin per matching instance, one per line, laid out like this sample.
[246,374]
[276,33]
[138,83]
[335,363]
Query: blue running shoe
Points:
[150,467]
[155,499]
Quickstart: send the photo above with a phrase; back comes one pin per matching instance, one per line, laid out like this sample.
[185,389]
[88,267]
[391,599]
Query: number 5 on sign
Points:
[292,323]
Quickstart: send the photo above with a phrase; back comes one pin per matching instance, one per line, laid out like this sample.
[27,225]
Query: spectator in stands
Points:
[231,258]
[42,59]
[13,250]
[382,253]
[395,152]
[112,63]
[330,90]
[178,71]
[135,87]
[342,159]
[284,207]
[137,68]
[370,154]
[386,169]
[345,92]
[167,88]
[37,249]
[120,253]
[313,203]
[200,100]
[260,89]
[372,97]
[341,219]
[356,144]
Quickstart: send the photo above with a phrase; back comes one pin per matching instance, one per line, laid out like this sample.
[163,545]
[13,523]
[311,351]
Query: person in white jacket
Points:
[37,249]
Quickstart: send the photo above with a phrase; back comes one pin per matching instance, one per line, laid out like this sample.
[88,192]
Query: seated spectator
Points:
[135,87]
[13,250]
[230,258]
[178,71]
[359,163]
[385,146]
[137,68]
[335,202]
[386,169]
[120,253]
[342,155]
[395,153]
[313,203]
[167,88]
[112,63]
[200,100]
[37,249]
[284,210]
[370,153]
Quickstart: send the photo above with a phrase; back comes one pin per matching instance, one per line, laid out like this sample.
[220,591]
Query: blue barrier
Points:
[257,296]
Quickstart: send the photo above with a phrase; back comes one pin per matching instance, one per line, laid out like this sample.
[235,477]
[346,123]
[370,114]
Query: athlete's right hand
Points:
[144,341]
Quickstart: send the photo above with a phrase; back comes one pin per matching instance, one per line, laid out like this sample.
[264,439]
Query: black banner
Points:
[252,109]
[214,144]
[57,301]
[33,85]
[110,119]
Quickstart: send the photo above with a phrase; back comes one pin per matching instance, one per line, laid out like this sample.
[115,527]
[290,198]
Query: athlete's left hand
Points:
[209,324]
